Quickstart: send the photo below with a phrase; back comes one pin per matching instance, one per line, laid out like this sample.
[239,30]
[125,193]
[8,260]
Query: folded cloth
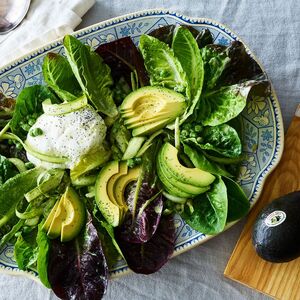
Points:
[45,22]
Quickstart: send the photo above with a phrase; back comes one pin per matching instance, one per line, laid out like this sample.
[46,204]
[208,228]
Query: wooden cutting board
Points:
[281,281]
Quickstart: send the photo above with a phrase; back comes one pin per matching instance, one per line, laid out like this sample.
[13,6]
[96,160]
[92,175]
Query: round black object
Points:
[276,232]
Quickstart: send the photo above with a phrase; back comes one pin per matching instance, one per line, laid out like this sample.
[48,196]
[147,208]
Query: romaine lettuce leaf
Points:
[43,245]
[165,34]
[163,68]
[186,50]
[92,74]
[59,76]
[215,61]
[219,106]
[222,139]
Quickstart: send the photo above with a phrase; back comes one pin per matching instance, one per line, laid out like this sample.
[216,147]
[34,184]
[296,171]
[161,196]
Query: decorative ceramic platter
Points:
[262,120]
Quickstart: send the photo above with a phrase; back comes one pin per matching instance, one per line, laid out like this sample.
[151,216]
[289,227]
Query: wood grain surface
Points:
[281,281]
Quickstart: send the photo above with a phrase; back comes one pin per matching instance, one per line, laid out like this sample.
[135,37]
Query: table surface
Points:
[272,30]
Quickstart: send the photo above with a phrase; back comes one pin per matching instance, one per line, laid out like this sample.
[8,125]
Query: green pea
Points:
[198,128]
[187,126]
[184,133]
[36,132]
[26,127]
[199,139]
[19,146]
[193,134]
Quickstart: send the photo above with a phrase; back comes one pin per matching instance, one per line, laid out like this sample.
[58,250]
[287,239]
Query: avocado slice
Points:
[193,176]
[123,168]
[75,217]
[60,215]
[169,187]
[131,124]
[185,187]
[150,128]
[151,108]
[66,217]
[108,206]
[50,217]
[120,185]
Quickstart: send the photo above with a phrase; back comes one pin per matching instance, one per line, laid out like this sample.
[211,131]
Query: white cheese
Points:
[70,135]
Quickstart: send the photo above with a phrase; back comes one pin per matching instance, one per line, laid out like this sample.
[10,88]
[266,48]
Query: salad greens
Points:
[209,211]
[92,75]
[186,50]
[152,166]
[85,263]
[162,65]
[60,78]
[7,169]
[29,108]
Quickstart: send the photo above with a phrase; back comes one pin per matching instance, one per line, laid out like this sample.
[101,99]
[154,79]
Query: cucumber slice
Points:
[30,150]
[64,108]
[133,147]
[51,183]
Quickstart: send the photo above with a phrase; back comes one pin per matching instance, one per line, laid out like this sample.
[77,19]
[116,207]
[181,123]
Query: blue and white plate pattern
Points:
[262,118]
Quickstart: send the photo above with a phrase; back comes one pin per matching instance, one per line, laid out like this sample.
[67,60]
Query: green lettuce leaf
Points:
[16,187]
[59,76]
[222,139]
[220,106]
[31,251]
[29,108]
[238,203]
[26,251]
[163,68]
[165,34]
[7,169]
[43,245]
[215,62]
[92,74]
[186,50]
[210,210]
[200,161]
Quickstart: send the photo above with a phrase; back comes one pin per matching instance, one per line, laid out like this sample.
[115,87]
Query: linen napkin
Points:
[45,22]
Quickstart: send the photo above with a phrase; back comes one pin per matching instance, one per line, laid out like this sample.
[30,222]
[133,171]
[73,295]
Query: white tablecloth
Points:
[272,30]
